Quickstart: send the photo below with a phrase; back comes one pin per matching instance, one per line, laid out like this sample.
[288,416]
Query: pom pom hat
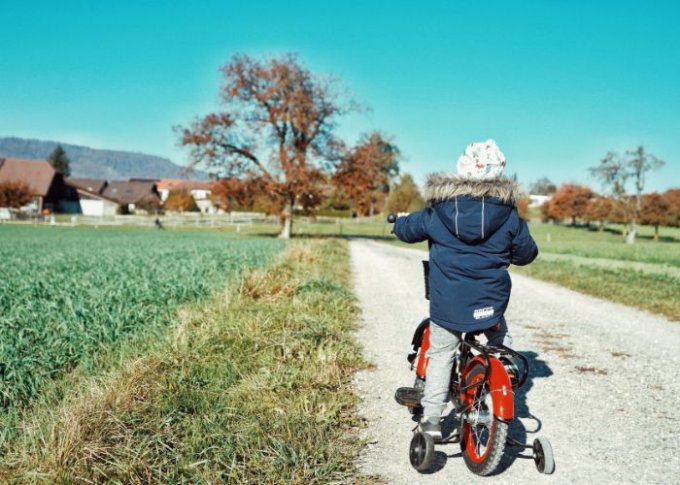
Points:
[481,161]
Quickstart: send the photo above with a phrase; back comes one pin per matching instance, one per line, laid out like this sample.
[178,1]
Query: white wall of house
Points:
[206,206]
[538,200]
[200,194]
[98,207]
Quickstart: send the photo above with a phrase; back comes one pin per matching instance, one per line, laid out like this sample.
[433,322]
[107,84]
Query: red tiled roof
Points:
[36,174]
[178,184]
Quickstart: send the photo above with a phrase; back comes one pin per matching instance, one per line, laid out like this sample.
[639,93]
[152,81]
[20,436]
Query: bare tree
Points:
[543,186]
[278,124]
[616,174]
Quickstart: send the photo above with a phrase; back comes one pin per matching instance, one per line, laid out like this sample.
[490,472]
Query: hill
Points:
[89,162]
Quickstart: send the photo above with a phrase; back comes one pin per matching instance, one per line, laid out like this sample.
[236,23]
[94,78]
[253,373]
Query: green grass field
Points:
[252,384]
[67,295]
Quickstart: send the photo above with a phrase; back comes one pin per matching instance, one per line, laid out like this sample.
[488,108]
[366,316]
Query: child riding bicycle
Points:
[475,233]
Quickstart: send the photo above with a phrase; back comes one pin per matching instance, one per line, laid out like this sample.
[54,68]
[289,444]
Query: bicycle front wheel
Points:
[484,436]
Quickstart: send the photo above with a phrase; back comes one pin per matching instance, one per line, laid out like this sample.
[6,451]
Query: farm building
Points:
[538,200]
[92,200]
[200,191]
[46,185]
[133,195]
[100,197]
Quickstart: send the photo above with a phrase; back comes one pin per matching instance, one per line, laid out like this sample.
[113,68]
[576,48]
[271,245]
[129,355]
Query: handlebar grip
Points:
[391,218]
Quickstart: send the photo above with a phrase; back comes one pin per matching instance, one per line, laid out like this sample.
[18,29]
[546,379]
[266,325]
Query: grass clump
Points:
[255,387]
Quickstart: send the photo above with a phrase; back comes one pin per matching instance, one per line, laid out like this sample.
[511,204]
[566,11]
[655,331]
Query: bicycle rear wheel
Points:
[484,436]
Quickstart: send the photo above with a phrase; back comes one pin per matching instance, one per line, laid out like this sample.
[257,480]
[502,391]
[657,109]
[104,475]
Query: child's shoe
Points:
[432,427]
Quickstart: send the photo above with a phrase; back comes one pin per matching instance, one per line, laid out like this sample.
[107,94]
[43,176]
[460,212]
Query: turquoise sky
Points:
[556,83]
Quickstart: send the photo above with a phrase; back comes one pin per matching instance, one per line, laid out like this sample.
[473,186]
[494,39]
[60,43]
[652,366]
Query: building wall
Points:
[206,206]
[95,207]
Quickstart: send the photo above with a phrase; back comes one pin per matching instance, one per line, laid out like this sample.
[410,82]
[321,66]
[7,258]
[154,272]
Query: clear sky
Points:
[556,83]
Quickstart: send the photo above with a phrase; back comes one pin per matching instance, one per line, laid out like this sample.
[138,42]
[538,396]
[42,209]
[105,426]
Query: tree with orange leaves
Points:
[365,173]
[14,194]
[523,208]
[277,125]
[600,210]
[672,196]
[180,201]
[654,211]
[570,201]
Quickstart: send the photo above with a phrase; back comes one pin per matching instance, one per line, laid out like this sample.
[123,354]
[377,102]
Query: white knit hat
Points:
[482,160]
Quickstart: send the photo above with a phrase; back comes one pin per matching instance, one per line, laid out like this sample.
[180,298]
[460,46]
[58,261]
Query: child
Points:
[475,234]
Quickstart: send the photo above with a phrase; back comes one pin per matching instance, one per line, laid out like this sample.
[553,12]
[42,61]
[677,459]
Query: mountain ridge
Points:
[87,162]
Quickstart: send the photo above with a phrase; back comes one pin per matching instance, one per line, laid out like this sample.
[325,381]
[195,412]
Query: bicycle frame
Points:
[495,374]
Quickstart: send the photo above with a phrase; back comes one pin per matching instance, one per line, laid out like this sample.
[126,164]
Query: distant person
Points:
[158,224]
[475,233]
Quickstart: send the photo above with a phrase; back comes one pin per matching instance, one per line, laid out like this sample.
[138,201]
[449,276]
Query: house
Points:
[133,195]
[200,191]
[93,202]
[536,200]
[100,197]
[47,186]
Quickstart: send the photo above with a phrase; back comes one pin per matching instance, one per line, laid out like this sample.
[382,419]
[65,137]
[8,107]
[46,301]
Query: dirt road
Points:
[604,384]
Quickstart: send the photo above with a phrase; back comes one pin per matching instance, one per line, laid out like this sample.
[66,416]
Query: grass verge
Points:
[653,292]
[255,387]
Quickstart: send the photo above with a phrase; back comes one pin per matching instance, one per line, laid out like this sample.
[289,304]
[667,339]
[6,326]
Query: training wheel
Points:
[543,456]
[421,451]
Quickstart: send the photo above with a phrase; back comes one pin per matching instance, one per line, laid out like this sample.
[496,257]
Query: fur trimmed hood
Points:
[441,187]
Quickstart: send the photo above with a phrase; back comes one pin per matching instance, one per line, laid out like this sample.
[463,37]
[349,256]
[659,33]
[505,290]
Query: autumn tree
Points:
[654,211]
[60,161]
[149,203]
[405,196]
[232,192]
[180,201]
[366,171]
[523,208]
[599,209]
[672,197]
[14,194]
[277,123]
[570,201]
[543,186]
[618,173]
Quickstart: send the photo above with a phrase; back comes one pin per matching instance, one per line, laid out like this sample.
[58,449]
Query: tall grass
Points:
[67,295]
[253,387]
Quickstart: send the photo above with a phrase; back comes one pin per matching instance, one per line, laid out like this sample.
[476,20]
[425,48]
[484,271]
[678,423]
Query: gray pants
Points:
[443,346]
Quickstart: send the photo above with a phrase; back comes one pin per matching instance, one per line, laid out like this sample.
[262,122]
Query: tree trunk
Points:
[601,226]
[287,228]
[573,220]
[630,237]
[656,232]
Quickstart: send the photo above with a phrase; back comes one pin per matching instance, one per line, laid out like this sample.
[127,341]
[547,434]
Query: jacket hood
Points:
[472,210]
[441,187]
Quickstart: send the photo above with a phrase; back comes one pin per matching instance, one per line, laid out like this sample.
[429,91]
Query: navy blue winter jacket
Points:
[475,234]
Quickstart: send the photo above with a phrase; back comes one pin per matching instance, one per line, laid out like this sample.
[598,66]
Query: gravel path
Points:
[603,386]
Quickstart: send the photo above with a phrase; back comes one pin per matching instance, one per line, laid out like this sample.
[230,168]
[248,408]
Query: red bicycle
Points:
[482,389]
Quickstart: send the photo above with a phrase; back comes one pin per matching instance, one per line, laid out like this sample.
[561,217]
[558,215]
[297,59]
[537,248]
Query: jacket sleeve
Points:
[413,228]
[524,249]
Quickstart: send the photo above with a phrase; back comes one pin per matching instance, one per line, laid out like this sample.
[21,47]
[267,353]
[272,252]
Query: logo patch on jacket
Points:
[481,313]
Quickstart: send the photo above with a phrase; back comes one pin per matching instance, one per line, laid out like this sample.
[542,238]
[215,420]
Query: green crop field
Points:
[69,294]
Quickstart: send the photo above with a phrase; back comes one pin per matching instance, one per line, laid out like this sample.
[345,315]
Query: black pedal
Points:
[408,396]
